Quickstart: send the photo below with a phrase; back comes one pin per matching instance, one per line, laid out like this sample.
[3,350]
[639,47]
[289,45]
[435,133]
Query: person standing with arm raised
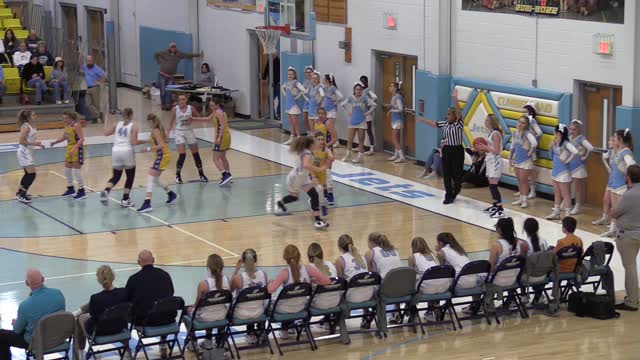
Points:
[168,61]
[452,150]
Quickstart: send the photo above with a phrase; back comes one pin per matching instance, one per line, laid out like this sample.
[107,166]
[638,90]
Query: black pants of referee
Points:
[452,168]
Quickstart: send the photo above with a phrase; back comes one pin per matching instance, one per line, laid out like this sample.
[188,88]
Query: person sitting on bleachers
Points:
[10,44]
[44,56]
[569,225]
[33,75]
[21,57]
[99,303]
[59,81]
[3,87]
[32,41]
[41,301]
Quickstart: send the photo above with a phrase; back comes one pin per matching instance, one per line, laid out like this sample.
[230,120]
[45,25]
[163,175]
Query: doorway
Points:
[399,68]
[259,65]
[70,25]
[96,36]
[598,109]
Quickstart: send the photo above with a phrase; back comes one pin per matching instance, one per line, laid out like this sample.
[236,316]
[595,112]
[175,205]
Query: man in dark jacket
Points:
[33,75]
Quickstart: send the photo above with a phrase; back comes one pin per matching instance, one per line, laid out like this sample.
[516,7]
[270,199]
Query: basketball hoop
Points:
[269,36]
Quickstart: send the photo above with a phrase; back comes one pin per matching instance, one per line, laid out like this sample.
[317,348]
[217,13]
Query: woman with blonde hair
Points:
[493,162]
[350,264]
[422,259]
[159,145]
[26,140]
[294,273]
[521,158]
[251,276]
[382,257]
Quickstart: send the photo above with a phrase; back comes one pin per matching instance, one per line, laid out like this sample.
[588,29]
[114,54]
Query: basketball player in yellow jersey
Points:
[322,156]
[74,154]
[222,141]
[159,146]
[326,127]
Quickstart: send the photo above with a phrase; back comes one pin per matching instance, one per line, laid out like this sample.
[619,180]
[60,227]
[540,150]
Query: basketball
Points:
[479,140]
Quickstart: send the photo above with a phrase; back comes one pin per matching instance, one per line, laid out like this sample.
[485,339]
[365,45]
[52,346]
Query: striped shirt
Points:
[452,132]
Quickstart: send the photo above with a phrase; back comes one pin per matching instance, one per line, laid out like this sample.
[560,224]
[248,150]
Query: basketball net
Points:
[269,36]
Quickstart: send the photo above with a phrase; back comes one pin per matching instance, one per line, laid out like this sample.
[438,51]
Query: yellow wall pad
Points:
[543,120]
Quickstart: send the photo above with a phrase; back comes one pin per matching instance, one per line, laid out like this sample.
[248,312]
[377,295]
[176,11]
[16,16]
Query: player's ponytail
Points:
[24,116]
[381,240]
[419,245]
[345,243]
[291,256]
[316,256]
[250,258]
[300,144]
[127,114]
[494,123]
[215,265]
[624,136]
[446,238]
[157,124]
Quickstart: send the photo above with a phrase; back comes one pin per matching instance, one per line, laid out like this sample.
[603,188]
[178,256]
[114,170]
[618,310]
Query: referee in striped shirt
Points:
[452,151]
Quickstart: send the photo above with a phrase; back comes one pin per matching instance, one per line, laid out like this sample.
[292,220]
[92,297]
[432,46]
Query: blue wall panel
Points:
[153,40]
[435,92]
[629,117]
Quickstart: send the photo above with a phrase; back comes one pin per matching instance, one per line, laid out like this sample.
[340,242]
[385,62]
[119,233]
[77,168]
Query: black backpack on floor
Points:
[585,304]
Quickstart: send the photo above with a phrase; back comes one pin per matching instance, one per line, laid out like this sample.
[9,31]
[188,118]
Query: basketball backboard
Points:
[298,14]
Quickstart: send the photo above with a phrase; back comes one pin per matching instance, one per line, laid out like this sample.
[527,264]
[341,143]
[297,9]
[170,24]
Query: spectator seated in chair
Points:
[21,57]
[569,225]
[60,81]
[32,41]
[33,75]
[10,45]
[42,301]
[44,56]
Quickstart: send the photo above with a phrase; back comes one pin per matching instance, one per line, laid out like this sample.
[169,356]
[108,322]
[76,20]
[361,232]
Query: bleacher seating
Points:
[14,24]
[48,70]
[12,80]
[6,13]
[21,34]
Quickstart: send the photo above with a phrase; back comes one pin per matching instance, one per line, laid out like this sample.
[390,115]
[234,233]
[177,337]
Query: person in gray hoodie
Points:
[60,81]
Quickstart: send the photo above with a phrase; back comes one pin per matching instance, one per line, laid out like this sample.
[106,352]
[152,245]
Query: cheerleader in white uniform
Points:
[371,95]
[315,95]
[620,158]
[562,153]
[578,165]
[27,140]
[308,76]
[332,98]
[521,157]
[299,180]
[361,107]
[123,157]
[292,91]
[530,111]
[396,115]
[493,164]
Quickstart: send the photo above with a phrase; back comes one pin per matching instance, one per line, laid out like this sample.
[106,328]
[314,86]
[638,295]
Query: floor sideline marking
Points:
[177,228]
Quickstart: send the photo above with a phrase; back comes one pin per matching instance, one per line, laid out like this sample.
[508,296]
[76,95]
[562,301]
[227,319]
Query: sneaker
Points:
[625,307]
[524,299]
[498,214]
[516,194]
[283,334]
[431,176]
[251,339]
[126,203]
[58,102]
[370,151]
[577,209]
[430,316]
[365,324]
[320,224]
[394,157]
[171,197]
[191,346]
[288,142]
[23,197]
[330,199]
[325,211]
[604,220]
[146,206]
[397,319]
[609,234]
[357,159]
[347,156]
[532,194]
[164,351]
[524,204]
[517,202]
[490,209]
[469,310]
[206,344]
[178,179]
[104,197]
[80,195]
[555,215]
[281,209]
[399,160]
[203,178]
[67,101]
[423,173]
[70,191]
[226,177]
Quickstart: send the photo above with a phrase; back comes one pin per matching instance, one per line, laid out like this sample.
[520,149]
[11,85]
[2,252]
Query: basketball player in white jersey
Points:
[27,140]
[123,158]
[181,115]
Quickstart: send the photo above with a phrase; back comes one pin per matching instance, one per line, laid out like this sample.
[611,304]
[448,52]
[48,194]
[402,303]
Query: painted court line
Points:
[177,228]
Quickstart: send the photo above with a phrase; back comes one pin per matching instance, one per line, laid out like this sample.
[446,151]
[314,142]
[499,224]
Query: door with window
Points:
[399,68]
[95,34]
[599,107]
[70,25]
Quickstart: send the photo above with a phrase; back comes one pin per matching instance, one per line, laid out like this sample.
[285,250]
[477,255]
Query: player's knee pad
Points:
[315,199]
[115,178]
[131,175]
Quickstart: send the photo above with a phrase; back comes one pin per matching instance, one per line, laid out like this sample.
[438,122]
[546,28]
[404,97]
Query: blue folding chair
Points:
[215,298]
[250,296]
[480,269]
[332,294]
[398,288]
[299,320]
[507,279]
[161,323]
[111,328]
[569,278]
[434,274]
[369,306]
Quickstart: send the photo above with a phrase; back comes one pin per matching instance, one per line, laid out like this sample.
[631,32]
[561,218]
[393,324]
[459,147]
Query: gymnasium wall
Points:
[501,48]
